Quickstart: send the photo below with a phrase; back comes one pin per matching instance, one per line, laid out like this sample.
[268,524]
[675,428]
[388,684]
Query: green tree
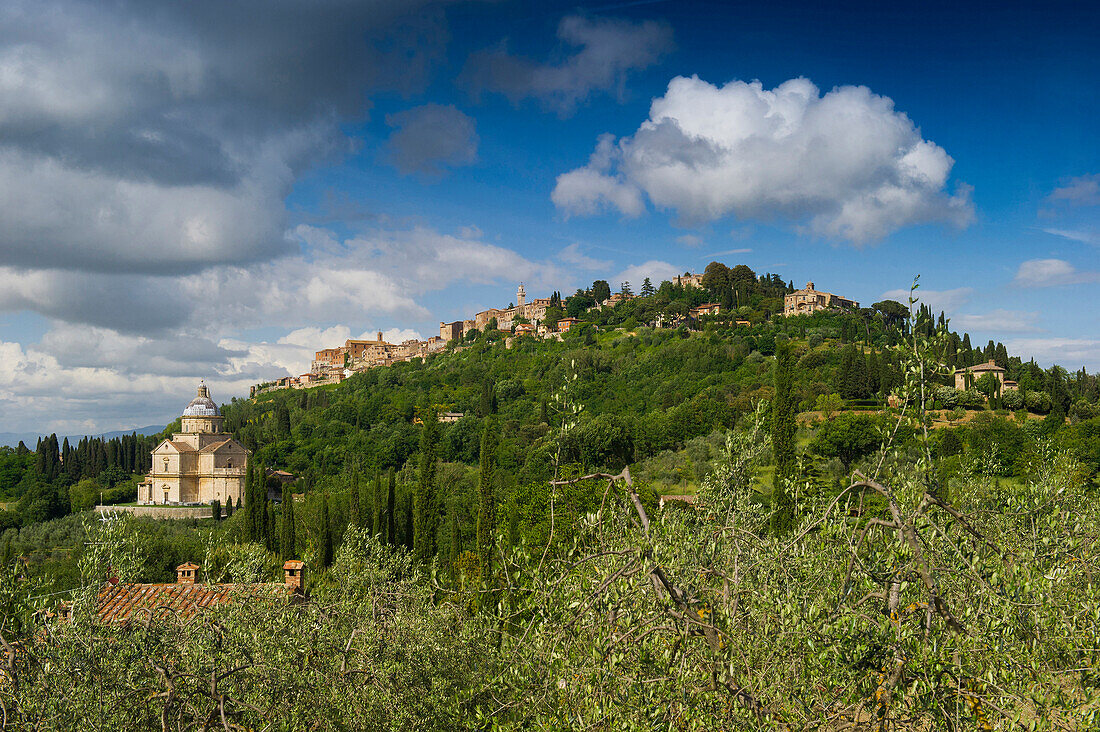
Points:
[601,290]
[828,404]
[325,556]
[355,501]
[216,510]
[488,403]
[376,505]
[783,430]
[288,540]
[391,509]
[486,501]
[848,437]
[648,290]
[425,501]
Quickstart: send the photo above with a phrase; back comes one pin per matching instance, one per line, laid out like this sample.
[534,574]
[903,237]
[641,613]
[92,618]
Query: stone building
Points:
[688,280]
[200,464]
[808,300]
[965,377]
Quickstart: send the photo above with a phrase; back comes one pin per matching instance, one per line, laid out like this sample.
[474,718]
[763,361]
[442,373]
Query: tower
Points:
[521,294]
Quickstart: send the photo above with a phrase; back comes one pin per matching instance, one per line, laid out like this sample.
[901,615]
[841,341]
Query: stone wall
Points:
[162,512]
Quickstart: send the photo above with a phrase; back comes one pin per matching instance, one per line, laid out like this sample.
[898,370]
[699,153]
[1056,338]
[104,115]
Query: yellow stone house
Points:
[200,464]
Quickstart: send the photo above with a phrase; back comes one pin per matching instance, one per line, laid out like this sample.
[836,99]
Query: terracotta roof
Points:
[215,446]
[116,603]
[180,446]
[987,366]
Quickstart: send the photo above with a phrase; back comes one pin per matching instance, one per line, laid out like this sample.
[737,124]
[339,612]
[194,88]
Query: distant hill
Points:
[11,439]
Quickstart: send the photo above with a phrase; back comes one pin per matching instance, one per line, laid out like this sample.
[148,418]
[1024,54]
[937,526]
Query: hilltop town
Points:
[540,318]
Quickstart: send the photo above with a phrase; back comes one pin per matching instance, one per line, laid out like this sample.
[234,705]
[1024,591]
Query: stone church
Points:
[200,464]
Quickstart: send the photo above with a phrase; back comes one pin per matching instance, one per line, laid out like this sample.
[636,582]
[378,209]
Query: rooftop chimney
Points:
[185,573]
[294,576]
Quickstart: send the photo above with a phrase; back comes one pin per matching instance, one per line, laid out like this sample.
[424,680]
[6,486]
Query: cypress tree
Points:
[216,510]
[354,505]
[426,518]
[486,504]
[365,508]
[326,533]
[270,536]
[288,543]
[376,505]
[250,501]
[229,507]
[391,510]
[782,414]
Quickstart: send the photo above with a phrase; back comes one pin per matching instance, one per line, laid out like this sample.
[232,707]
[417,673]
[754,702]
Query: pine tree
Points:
[288,543]
[426,507]
[647,288]
[391,510]
[486,502]
[326,533]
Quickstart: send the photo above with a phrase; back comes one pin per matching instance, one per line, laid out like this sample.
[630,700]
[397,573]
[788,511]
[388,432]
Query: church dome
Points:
[202,405]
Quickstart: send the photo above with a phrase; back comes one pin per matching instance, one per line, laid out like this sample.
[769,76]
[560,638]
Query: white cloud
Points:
[689,240]
[431,138]
[1051,272]
[1080,191]
[656,270]
[574,257]
[845,165]
[609,50]
[38,392]
[998,321]
[945,300]
[584,192]
[1070,353]
[1085,236]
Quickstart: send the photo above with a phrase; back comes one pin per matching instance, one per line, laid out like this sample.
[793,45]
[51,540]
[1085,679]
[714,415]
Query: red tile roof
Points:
[117,603]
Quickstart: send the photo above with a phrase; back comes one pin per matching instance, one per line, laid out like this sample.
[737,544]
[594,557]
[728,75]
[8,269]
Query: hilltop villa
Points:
[808,300]
[200,464]
[965,377]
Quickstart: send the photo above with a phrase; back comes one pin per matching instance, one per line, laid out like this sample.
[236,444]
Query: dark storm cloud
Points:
[164,136]
[431,138]
[608,50]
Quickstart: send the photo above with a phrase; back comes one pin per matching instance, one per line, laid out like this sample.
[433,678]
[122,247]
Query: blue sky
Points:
[215,191]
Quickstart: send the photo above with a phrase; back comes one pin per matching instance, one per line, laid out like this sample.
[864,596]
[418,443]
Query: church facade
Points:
[200,464]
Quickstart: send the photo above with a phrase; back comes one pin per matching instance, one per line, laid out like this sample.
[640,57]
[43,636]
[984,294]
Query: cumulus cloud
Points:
[1080,191]
[945,300]
[1069,353]
[1051,272]
[431,138]
[574,257]
[609,49]
[998,321]
[844,165]
[40,392]
[689,240]
[656,270]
